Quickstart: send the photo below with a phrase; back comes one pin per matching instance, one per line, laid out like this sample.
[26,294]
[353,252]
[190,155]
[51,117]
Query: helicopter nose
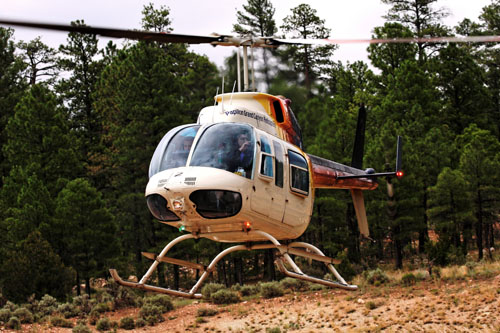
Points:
[213,204]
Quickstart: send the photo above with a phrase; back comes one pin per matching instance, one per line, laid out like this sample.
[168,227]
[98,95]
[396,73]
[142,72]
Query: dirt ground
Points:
[463,306]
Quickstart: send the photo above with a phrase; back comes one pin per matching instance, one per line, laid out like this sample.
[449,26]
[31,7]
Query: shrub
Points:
[151,314]
[273,330]
[5,315]
[271,289]
[13,323]
[10,306]
[248,290]
[46,306]
[94,317]
[103,324]
[293,284]
[24,315]
[60,322]
[164,302]
[84,303]
[68,310]
[371,305]
[127,323]
[211,288]
[236,287]
[225,296]
[101,308]
[81,328]
[140,323]
[207,312]
[408,279]
[376,277]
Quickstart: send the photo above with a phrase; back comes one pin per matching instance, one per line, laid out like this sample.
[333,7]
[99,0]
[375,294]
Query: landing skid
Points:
[284,251]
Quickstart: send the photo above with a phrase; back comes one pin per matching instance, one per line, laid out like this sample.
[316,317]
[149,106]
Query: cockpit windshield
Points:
[173,150]
[226,146]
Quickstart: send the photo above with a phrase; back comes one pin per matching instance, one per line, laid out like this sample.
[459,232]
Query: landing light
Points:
[178,204]
[399,174]
[182,228]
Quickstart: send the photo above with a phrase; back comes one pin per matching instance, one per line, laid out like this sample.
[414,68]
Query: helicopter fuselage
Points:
[240,168]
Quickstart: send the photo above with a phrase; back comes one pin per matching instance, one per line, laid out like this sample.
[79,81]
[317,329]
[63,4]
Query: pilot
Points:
[243,156]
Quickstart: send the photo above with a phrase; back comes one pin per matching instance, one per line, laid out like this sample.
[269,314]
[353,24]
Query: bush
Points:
[101,307]
[140,323]
[211,288]
[225,296]
[408,279]
[94,317]
[289,283]
[68,310]
[248,290]
[81,328]
[151,314]
[376,277]
[371,305]
[60,322]
[271,289]
[103,324]
[127,323]
[10,306]
[164,302]
[24,315]
[46,306]
[13,323]
[84,303]
[5,315]
[207,312]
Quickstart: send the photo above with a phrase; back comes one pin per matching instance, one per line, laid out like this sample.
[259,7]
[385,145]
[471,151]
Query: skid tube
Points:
[311,252]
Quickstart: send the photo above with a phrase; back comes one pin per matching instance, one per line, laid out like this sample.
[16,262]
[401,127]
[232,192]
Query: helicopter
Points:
[239,174]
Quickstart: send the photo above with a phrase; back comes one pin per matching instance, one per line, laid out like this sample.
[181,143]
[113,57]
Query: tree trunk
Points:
[78,289]
[479,227]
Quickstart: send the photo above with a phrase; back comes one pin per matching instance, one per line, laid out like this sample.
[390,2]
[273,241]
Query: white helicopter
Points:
[239,175]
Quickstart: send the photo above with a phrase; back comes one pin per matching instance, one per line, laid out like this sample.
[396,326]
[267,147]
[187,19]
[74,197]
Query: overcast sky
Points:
[345,18]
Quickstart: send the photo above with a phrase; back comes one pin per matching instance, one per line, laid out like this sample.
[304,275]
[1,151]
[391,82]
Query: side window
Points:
[299,173]
[266,160]
[278,152]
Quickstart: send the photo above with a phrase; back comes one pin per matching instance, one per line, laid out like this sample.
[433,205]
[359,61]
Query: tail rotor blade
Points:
[359,206]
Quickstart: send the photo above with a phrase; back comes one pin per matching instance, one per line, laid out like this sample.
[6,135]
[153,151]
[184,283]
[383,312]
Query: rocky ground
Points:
[428,306]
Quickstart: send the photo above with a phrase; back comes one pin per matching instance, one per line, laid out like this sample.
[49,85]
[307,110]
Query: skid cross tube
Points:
[311,252]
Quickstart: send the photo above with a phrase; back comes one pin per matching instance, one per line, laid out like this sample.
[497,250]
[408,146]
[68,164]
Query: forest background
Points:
[80,124]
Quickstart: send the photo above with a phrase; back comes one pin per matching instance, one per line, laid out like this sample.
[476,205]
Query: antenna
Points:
[216,93]
[232,93]
[222,95]
[253,73]
[238,69]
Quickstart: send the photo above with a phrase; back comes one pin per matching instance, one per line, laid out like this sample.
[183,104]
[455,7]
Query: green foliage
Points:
[164,302]
[24,315]
[81,328]
[224,296]
[271,289]
[370,305]
[140,323]
[68,310]
[408,279]
[207,312]
[127,323]
[151,314]
[35,269]
[103,324]
[248,290]
[84,303]
[57,321]
[13,323]
[101,308]
[376,277]
[211,288]
[5,315]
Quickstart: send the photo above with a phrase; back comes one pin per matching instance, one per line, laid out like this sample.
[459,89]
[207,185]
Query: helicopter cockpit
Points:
[226,146]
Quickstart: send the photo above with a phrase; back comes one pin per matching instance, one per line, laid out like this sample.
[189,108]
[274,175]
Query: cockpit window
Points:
[177,151]
[173,150]
[226,146]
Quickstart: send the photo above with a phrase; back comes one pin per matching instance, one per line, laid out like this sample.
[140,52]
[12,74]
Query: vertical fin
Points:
[359,207]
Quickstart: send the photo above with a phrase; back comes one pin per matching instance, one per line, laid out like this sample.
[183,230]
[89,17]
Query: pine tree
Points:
[40,60]
[85,229]
[38,138]
[304,23]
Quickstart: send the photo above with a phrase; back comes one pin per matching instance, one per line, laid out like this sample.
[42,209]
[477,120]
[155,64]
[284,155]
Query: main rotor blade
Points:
[468,39]
[120,33]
